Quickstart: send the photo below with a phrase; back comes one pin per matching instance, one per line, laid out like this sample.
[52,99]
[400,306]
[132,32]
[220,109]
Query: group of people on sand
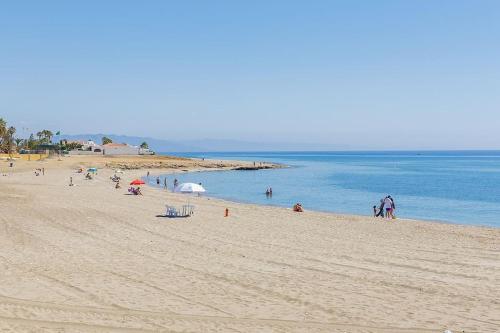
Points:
[386,208]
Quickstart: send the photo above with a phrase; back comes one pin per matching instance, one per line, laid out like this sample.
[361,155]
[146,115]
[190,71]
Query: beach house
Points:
[120,149]
[88,147]
[91,148]
[124,149]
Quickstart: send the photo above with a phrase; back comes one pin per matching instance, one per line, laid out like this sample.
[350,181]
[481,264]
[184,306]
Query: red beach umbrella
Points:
[137,182]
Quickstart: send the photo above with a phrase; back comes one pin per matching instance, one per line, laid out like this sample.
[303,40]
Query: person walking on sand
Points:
[388,207]
[165,182]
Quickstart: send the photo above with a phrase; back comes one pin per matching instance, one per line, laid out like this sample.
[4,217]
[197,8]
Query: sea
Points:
[449,186]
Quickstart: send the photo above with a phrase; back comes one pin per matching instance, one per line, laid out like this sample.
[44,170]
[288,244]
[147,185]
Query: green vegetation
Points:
[41,140]
[10,144]
[45,137]
[106,140]
[65,145]
[7,140]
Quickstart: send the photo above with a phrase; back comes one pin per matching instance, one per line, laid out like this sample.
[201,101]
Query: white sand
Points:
[90,258]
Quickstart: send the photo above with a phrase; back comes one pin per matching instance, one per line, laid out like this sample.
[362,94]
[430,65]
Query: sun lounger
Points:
[171,211]
[186,211]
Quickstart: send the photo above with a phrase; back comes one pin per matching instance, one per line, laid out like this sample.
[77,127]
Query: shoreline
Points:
[212,165]
[133,162]
[169,165]
[238,201]
[93,256]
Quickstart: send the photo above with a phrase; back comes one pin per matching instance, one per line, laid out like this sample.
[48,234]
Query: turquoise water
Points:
[459,187]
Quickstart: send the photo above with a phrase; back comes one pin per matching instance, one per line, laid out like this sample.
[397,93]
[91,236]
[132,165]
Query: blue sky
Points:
[354,74]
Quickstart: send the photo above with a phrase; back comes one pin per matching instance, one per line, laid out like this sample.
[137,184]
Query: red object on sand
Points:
[137,182]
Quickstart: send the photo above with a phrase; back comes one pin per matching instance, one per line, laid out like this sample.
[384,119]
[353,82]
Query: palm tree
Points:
[3,128]
[6,136]
[3,131]
[19,143]
[31,141]
[48,135]
[9,138]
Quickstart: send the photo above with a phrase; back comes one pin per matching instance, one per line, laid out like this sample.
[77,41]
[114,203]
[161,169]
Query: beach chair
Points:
[187,210]
[171,211]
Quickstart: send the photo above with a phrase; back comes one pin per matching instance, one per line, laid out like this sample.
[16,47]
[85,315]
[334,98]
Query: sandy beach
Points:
[91,258]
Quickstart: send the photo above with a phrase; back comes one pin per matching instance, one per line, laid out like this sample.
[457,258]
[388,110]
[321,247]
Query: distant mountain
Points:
[208,145]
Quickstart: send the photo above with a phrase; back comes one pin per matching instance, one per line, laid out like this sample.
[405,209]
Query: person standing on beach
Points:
[381,209]
[393,207]
[388,207]
[165,182]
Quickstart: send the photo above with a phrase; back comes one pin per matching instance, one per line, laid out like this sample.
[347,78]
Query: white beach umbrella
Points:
[189,188]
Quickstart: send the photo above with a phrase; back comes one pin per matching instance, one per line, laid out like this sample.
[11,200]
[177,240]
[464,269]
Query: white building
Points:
[146,151]
[89,147]
[120,149]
